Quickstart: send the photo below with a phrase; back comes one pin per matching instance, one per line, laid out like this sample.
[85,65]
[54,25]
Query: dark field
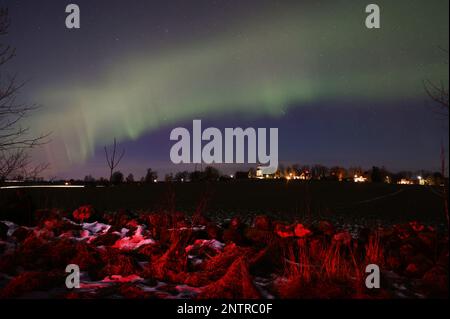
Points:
[293,200]
[224,240]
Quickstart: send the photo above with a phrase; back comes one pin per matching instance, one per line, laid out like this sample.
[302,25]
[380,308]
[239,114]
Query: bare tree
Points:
[15,140]
[112,160]
[18,163]
[438,93]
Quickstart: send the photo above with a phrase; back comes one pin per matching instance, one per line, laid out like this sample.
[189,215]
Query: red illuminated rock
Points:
[284,231]
[301,231]
[83,213]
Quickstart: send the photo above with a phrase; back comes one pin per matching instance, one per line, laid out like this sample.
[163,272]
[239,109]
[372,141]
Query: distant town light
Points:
[405,181]
[359,179]
[422,181]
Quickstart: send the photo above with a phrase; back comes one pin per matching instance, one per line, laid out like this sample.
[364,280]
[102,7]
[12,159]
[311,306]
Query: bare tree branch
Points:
[112,161]
[437,92]
[15,139]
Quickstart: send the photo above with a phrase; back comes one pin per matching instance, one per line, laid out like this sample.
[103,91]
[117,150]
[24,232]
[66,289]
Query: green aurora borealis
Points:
[262,63]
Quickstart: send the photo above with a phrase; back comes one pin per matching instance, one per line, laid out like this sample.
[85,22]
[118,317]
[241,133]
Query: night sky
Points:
[339,93]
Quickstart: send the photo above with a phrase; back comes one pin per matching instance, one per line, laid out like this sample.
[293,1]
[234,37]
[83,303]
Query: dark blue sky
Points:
[340,94]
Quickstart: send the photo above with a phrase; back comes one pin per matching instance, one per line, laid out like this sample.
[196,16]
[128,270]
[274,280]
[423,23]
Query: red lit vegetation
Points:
[170,255]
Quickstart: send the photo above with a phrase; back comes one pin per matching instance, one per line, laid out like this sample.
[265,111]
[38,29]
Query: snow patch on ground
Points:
[96,228]
[135,241]
[11,227]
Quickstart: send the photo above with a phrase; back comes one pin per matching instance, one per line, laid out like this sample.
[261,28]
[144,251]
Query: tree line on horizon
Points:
[314,172]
